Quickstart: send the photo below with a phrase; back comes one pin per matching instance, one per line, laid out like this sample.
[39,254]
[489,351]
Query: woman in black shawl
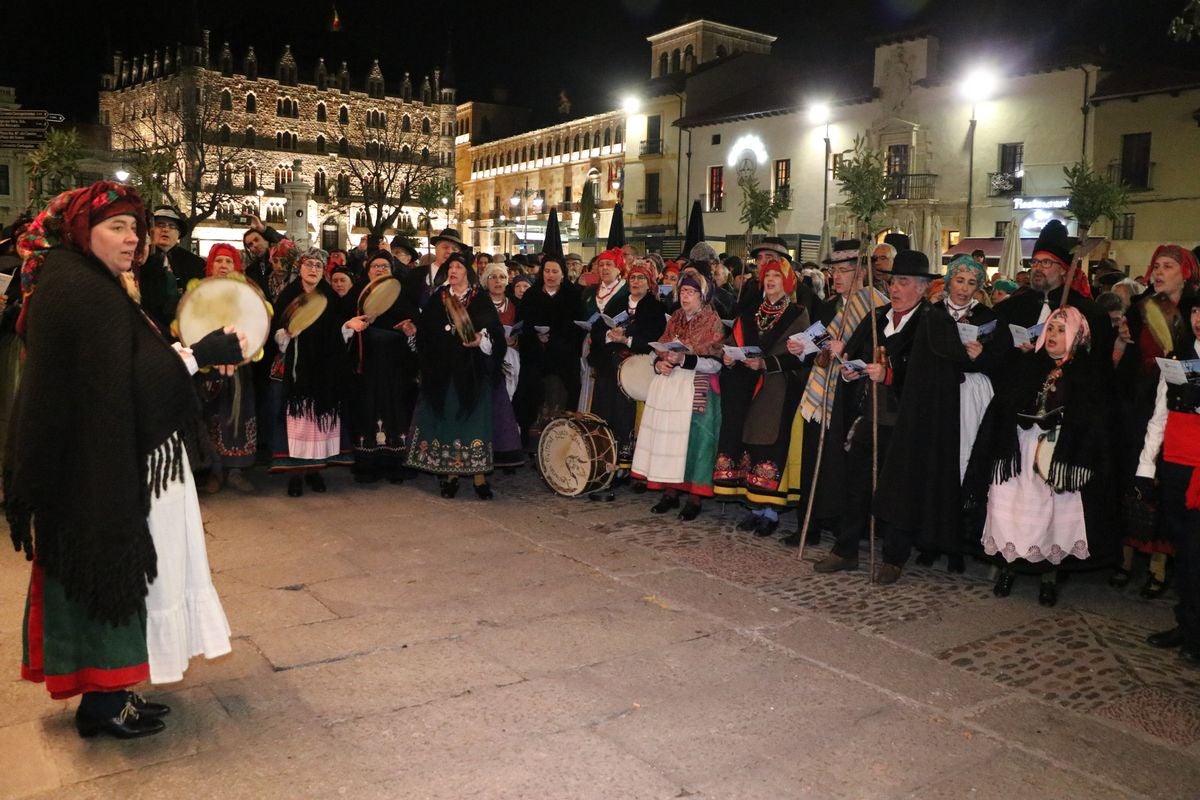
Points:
[384,383]
[551,344]
[307,381]
[452,427]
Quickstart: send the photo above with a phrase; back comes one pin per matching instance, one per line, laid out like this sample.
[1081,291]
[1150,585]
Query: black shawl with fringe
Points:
[444,359]
[99,424]
[315,364]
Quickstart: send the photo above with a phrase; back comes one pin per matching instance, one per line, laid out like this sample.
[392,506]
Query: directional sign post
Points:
[22,129]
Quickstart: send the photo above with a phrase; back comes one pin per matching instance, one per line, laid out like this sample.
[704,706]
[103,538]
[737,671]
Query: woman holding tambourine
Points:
[460,344]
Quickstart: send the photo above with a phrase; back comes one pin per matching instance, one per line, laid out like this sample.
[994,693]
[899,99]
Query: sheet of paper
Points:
[728,323]
[541,328]
[803,339]
[1179,372]
[664,290]
[670,347]
[5,280]
[857,364]
[735,353]
[967,333]
[1020,335]
[619,319]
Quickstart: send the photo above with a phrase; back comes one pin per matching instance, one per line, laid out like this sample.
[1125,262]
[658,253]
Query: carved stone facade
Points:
[264,131]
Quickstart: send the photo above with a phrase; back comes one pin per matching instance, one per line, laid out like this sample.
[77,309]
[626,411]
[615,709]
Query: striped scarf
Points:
[842,326]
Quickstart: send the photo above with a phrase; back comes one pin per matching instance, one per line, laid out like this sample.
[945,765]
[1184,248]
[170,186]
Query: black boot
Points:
[295,486]
[115,714]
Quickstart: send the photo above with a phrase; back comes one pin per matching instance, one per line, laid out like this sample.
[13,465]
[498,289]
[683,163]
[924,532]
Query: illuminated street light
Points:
[631,104]
[818,114]
[121,175]
[979,84]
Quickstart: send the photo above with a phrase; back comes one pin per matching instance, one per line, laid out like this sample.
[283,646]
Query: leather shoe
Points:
[638,487]
[607,496]
[667,503]
[690,512]
[1120,578]
[1004,583]
[835,563]
[1165,639]
[887,574]
[450,488]
[748,523]
[483,491]
[147,708]
[1153,588]
[128,724]
[295,486]
[956,564]
[765,527]
[315,481]
[1190,654]
[1048,594]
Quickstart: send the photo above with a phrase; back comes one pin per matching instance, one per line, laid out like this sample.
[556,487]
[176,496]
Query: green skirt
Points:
[445,444]
[73,653]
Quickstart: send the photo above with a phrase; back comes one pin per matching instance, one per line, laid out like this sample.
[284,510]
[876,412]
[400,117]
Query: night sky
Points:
[592,53]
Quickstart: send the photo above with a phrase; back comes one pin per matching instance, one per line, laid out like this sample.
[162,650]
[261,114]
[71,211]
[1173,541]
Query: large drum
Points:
[217,302]
[634,376]
[577,454]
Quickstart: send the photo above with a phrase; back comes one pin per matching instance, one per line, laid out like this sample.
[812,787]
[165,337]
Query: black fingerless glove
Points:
[217,347]
[1143,488]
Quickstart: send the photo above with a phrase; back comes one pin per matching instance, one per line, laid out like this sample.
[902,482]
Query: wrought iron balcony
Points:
[1135,176]
[911,186]
[651,147]
[649,206]
[1005,184]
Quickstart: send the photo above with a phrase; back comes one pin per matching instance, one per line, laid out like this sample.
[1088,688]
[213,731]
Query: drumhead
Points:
[304,311]
[577,455]
[379,296]
[217,302]
[635,375]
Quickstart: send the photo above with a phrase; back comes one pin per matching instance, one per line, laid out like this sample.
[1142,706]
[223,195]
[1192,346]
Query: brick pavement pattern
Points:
[393,644]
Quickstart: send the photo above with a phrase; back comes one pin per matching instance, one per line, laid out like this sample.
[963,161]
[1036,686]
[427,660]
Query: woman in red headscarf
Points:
[229,400]
[758,455]
[1157,325]
[98,481]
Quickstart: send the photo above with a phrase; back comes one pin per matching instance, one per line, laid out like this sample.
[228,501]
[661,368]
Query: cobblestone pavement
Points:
[391,643]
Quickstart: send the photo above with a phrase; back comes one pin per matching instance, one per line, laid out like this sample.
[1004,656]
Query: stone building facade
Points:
[267,126]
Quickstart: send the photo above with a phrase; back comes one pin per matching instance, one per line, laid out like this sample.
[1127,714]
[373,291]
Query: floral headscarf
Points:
[1079,334]
[964,261]
[67,222]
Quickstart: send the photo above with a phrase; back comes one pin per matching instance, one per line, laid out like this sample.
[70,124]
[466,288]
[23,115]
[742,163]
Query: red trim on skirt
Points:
[88,679]
[700,490]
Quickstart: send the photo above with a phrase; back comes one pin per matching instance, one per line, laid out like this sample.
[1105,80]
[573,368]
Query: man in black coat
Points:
[164,276]
[258,241]
[896,325]
[423,280]
[1050,264]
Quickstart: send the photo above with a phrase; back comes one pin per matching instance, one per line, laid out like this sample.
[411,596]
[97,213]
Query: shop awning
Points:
[993,247]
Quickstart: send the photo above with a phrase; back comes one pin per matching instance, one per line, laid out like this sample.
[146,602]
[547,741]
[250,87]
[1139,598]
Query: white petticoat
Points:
[184,617]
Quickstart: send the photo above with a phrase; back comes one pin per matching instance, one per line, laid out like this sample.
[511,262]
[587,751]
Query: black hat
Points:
[772,244]
[900,241]
[450,235]
[472,277]
[1054,240]
[399,243]
[843,250]
[912,262]
[174,215]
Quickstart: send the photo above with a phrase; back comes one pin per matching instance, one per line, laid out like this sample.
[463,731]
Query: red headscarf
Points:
[784,268]
[222,249]
[672,266]
[1182,256]
[615,255]
[68,222]
[646,270]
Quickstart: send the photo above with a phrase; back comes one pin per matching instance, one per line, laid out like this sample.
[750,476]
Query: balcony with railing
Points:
[1005,184]
[911,186]
[649,206]
[651,147]
[712,202]
[567,207]
[1136,176]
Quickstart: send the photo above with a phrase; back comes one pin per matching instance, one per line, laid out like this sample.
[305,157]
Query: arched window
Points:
[675,60]
[689,58]
[344,115]
[576,147]
[227,176]
[424,153]
[541,150]
[343,147]
[343,184]
[320,143]
[320,189]
[619,136]
[250,137]
[524,155]
[249,177]
[425,127]
[587,140]
[663,60]
[321,115]
[721,52]
[404,153]
[608,137]
[405,124]
[224,134]
[279,179]
[226,100]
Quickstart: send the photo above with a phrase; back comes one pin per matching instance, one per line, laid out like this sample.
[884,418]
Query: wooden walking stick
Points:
[880,358]
[826,409]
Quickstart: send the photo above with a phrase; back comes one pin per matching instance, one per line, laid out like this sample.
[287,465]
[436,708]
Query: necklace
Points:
[958,312]
[602,295]
[768,313]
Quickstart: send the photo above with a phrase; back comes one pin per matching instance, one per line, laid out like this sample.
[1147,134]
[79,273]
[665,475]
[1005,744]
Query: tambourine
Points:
[214,303]
[456,312]
[302,312]
[379,296]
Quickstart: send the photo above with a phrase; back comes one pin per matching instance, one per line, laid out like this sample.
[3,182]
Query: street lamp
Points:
[121,175]
[818,114]
[518,196]
[977,86]
[631,104]
[260,191]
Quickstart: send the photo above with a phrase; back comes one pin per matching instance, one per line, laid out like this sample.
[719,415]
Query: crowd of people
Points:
[1015,420]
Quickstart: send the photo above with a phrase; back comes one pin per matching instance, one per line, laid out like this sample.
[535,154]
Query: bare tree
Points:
[180,146]
[388,161]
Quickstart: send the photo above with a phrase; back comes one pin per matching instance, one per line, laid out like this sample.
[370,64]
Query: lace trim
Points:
[1034,554]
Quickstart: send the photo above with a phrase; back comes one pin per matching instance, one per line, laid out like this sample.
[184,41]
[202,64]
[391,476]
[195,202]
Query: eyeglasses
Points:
[1044,262]
[164,225]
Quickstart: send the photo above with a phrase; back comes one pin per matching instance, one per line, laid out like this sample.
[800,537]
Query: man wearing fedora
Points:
[164,276]
[896,325]
[403,252]
[423,280]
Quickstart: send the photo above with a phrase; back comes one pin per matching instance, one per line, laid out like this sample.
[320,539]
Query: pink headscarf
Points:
[1078,331]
